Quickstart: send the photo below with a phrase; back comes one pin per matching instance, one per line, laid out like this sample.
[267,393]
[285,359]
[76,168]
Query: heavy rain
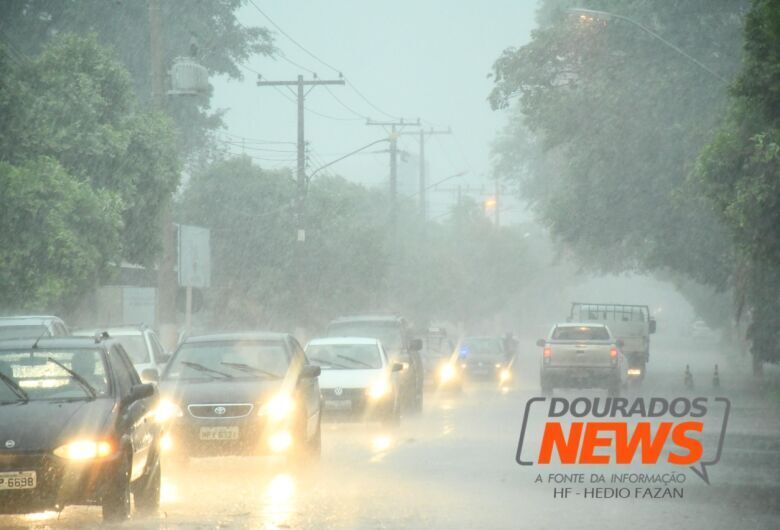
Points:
[365,265]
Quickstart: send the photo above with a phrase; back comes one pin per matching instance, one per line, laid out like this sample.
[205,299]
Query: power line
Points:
[255,140]
[350,109]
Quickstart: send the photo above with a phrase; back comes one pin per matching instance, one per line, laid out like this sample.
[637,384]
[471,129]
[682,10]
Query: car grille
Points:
[219,410]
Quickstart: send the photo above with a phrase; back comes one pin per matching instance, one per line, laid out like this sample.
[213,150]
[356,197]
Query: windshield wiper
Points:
[254,369]
[13,385]
[199,367]
[353,360]
[78,378]
[328,362]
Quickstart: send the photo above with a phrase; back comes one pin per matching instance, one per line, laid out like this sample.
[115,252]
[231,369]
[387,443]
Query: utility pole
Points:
[300,83]
[423,133]
[394,134]
[167,284]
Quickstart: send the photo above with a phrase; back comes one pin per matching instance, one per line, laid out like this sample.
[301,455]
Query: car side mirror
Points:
[541,343]
[139,392]
[652,325]
[310,371]
[150,375]
[397,367]
[619,343]
[415,344]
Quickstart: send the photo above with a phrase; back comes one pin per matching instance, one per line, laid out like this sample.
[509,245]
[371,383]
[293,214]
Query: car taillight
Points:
[613,353]
[547,353]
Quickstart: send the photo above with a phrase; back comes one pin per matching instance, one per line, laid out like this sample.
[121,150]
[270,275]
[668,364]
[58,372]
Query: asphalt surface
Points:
[453,467]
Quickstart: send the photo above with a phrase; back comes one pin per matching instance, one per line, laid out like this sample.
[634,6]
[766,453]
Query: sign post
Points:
[194,264]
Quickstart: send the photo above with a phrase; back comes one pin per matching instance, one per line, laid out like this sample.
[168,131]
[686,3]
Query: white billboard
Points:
[194,256]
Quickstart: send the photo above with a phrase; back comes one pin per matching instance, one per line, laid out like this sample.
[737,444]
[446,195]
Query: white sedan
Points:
[357,379]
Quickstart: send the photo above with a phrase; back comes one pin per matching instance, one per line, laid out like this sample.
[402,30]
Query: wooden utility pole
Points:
[423,187]
[394,134]
[300,83]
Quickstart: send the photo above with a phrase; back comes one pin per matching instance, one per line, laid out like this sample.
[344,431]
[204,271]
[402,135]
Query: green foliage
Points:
[608,125]
[222,41]
[740,173]
[57,231]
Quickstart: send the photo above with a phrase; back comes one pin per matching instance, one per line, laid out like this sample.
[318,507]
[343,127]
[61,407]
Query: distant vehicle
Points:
[357,378]
[240,394]
[582,355]
[440,361]
[630,323]
[484,358]
[141,344]
[394,334]
[77,428]
[32,327]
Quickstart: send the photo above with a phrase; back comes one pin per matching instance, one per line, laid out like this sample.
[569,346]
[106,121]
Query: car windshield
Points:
[23,332]
[580,333]
[388,333]
[229,359]
[345,356]
[43,375]
[486,346]
[135,346]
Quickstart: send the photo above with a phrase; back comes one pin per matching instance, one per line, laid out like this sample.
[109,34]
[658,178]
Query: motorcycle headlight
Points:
[379,389]
[85,449]
[167,410]
[278,407]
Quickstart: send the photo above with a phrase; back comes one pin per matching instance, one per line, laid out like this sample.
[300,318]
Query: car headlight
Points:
[85,449]
[167,410]
[505,375]
[446,372]
[278,407]
[379,389]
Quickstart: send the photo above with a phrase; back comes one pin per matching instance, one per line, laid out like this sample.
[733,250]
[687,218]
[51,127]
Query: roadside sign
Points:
[194,256]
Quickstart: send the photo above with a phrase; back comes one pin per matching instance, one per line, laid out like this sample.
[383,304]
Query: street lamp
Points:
[593,13]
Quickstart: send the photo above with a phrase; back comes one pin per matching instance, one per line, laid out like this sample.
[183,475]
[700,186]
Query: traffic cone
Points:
[688,377]
[716,378]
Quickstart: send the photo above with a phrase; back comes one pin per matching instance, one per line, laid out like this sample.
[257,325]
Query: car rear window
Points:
[23,332]
[580,333]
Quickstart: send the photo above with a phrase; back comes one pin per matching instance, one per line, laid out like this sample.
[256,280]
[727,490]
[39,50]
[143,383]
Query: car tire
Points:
[147,497]
[393,416]
[312,448]
[613,390]
[547,388]
[116,498]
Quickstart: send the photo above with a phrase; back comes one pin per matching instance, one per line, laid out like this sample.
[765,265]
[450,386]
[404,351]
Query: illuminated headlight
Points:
[446,373]
[379,389]
[278,407]
[505,375]
[634,371]
[167,410]
[280,441]
[166,442]
[498,365]
[85,450]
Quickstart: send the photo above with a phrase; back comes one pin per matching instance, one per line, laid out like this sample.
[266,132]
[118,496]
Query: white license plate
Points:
[338,404]
[219,433]
[18,480]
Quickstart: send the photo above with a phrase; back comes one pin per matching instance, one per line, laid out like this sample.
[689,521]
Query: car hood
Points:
[349,378]
[219,391]
[45,425]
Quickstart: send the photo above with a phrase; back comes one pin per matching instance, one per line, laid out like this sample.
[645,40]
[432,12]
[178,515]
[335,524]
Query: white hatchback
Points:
[357,379]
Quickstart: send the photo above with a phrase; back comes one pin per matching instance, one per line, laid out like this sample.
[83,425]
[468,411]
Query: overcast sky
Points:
[410,58]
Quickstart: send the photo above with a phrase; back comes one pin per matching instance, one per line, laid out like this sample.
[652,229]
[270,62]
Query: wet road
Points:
[453,467]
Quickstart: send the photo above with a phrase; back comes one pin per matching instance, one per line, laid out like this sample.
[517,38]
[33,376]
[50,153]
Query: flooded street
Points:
[453,467]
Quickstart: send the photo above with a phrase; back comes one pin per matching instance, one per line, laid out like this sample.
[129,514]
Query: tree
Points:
[608,126]
[74,103]
[222,42]
[740,172]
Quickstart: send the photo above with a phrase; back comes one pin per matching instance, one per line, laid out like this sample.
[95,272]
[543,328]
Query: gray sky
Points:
[410,58]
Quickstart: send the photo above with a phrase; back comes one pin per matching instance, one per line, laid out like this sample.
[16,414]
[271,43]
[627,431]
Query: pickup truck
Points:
[632,324]
[582,355]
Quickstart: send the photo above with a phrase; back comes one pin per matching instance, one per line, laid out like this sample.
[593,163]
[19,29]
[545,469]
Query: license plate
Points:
[219,433]
[18,480]
[340,404]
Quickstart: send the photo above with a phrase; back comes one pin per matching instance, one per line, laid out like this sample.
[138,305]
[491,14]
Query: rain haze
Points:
[362,265]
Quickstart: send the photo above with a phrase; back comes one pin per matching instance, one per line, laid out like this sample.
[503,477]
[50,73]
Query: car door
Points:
[309,389]
[158,352]
[135,420]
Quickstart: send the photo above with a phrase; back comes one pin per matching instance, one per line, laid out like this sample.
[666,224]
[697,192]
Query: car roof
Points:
[237,336]
[343,340]
[580,325]
[28,320]
[117,331]
[52,343]
[367,318]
